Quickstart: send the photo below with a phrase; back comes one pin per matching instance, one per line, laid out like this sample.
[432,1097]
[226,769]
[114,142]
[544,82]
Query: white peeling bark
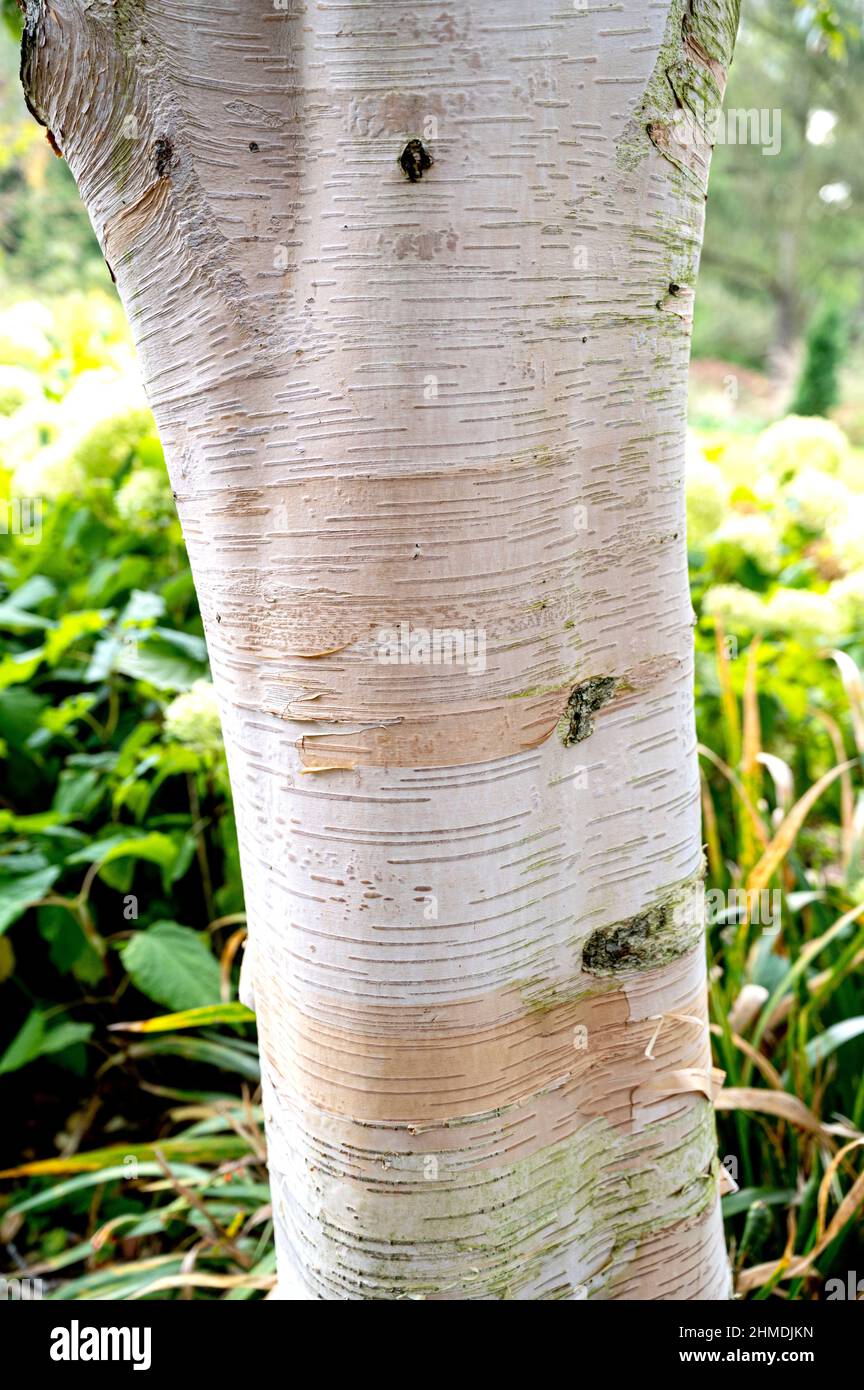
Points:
[454,402]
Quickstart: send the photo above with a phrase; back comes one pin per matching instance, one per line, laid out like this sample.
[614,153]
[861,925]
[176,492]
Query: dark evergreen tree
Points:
[817,389]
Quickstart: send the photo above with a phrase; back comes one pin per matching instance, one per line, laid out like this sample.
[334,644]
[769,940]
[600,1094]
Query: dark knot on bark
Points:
[414,160]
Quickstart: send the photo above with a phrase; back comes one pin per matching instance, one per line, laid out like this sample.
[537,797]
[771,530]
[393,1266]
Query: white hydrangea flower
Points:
[803,614]
[91,331]
[766,489]
[51,473]
[739,609]
[17,388]
[847,595]
[102,418]
[24,329]
[101,394]
[852,472]
[733,454]
[756,535]
[801,441]
[816,499]
[193,718]
[144,496]
[847,536]
[707,494]
[23,434]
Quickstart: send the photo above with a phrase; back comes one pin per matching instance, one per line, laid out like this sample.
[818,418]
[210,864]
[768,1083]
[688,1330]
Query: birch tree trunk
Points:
[411,289]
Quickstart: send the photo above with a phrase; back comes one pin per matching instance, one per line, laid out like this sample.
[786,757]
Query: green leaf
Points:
[42,823]
[32,592]
[70,629]
[117,1282]
[24,859]
[129,755]
[36,1038]
[193,646]
[114,576]
[22,891]
[19,620]
[179,589]
[825,1043]
[102,659]
[142,607]
[736,1202]
[153,846]
[226,1056]
[173,966]
[78,793]
[70,951]
[161,662]
[66,1034]
[20,711]
[26,1045]
[57,718]
[17,669]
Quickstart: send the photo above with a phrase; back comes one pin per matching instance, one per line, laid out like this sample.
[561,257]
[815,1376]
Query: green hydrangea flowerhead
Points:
[801,441]
[193,719]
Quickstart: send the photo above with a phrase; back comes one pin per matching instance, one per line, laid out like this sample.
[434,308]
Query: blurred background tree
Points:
[46,242]
[785,231]
[818,389]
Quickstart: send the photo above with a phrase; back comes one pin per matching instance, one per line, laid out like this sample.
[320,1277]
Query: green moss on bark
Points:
[586,698]
[652,938]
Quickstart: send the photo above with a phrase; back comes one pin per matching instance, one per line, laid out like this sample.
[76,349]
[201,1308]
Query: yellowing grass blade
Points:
[847,795]
[214,1148]
[203,1017]
[728,702]
[759,1275]
[751,748]
[785,837]
[854,687]
[781,1104]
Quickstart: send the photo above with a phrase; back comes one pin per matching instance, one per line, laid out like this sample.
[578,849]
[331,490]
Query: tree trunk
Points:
[411,288]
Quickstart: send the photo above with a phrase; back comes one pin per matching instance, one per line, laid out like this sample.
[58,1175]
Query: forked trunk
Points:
[411,289]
